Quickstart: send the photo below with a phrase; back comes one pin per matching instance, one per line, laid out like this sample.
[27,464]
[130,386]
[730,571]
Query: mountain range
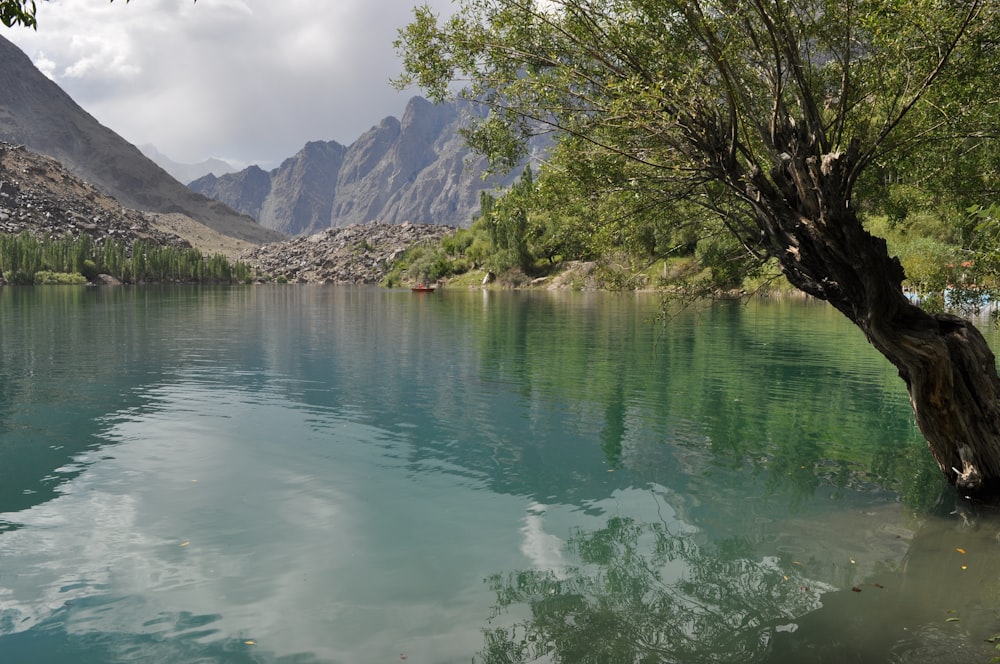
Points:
[36,113]
[417,169]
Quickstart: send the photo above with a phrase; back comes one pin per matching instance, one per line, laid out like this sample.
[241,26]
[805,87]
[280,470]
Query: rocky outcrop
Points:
[416,170]
[250,187]
[36,113]
[303,188]
[356,254]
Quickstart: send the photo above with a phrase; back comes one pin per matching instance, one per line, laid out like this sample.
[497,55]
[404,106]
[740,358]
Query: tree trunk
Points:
[950,373]
[803,209]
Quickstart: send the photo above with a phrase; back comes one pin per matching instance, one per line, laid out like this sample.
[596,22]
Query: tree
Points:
[779,117]
[18,12]
[507,221]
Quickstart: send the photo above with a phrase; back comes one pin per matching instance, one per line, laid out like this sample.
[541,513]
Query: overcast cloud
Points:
[249,81]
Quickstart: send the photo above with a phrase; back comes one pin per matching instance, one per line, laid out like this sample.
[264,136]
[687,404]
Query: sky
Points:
[248,81]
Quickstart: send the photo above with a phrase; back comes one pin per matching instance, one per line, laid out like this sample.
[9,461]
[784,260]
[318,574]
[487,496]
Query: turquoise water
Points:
[321,474]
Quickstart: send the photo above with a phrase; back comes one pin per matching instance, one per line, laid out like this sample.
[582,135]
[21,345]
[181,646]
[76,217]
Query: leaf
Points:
[960,550]
[952,619]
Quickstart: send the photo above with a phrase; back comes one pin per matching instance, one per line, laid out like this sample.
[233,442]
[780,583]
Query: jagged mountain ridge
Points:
[36,113]
[415,170]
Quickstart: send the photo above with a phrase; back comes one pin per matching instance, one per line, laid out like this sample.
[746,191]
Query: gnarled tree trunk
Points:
[803,208]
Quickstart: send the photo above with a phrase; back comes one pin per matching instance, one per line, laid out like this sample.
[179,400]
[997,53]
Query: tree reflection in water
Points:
[652,592]
[642,593]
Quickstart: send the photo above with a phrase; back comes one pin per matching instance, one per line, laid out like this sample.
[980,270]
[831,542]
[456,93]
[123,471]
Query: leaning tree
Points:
[780,117]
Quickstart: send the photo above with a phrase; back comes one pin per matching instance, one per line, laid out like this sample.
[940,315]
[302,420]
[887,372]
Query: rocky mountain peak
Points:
[416,170]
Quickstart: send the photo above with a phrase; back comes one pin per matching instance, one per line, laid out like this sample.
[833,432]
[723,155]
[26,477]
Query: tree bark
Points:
[804,213]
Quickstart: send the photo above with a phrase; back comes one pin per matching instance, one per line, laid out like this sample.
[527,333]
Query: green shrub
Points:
[46,278]
[929,263]
[458,242]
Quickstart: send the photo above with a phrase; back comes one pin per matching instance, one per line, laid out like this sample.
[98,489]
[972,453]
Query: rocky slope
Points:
[356,254]
[39,196]
[36,113]
[416,170]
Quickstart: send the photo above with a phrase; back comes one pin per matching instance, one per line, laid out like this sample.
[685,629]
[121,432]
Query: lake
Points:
[307,474]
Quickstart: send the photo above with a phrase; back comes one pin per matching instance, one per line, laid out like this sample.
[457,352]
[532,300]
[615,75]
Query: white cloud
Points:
[45,65]
[543,549]
[250,81]
[100,58]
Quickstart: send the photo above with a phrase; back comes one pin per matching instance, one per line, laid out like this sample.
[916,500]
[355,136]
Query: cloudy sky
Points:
[249,81]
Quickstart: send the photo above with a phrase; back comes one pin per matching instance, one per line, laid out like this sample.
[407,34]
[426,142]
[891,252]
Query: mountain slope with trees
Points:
[55,228]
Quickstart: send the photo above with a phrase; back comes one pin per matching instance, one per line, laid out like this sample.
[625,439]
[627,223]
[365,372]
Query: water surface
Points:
[320,474]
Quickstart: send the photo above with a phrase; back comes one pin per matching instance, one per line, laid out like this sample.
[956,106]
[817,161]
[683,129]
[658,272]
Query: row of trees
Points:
[24,257]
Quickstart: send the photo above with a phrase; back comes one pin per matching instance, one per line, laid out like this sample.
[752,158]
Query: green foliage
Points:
[427,264]
[951,261]
[728,263]
[458,242]
[480,246]
[18,12]
[89,269]
[23,256]
[672,118]
[928,263]
[46,278]
[507,223]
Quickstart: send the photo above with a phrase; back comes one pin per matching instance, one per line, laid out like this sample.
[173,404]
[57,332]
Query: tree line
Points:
[26,259]
[949,253]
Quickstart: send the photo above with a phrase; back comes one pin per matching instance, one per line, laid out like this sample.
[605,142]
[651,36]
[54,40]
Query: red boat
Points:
[421,288]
